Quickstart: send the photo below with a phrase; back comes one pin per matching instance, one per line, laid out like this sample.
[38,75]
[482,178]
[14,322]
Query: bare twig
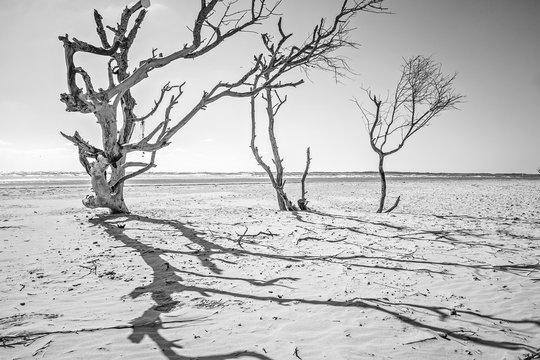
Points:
[296,353]
[304,238]
[42,348]
[92,269]
[239,241]
[419,341]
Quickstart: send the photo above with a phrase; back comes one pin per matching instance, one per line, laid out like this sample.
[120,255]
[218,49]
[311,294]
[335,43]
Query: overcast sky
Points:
[493,45]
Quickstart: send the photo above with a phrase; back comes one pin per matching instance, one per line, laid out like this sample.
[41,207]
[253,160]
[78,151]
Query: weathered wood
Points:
[103,195]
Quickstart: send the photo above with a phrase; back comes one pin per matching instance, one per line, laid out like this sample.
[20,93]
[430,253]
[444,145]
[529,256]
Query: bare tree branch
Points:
[157,102]
[85,149]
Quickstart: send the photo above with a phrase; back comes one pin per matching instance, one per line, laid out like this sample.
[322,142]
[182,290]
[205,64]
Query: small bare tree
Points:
[318,51]
[421,94]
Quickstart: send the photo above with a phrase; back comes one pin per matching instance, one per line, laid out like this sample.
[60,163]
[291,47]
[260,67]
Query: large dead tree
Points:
[421,94]
[318,51]
[115,108]
[108,167]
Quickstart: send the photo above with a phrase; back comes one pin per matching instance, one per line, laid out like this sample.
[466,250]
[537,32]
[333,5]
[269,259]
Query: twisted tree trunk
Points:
[107,171]
[105,195]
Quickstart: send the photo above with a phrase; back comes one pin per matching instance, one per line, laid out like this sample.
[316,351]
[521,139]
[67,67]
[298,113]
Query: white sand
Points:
[453,274]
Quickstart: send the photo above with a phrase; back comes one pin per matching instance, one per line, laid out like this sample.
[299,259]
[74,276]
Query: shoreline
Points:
[195,179]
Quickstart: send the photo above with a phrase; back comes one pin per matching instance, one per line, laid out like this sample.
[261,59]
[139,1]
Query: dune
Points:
[213,271]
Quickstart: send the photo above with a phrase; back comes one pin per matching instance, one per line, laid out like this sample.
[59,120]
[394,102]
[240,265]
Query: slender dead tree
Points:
[318,51]
[421,94]
[277,180]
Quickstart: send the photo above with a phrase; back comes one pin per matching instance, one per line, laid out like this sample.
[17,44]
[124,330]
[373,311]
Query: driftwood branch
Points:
[166,88]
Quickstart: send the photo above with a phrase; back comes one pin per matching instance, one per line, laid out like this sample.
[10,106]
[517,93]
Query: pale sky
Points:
[493,45]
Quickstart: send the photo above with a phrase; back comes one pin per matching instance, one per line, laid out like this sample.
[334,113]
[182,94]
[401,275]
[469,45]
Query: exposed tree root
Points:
[394,206]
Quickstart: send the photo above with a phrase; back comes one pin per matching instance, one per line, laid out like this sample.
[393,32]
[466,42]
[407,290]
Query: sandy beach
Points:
[215,272]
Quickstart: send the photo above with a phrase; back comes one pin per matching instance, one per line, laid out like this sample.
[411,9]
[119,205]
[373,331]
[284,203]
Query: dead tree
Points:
[216,21]
[277,180]
[421,94]
[115,108]
[318,51]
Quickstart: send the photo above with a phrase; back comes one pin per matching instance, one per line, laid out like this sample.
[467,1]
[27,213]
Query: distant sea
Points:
[53,179]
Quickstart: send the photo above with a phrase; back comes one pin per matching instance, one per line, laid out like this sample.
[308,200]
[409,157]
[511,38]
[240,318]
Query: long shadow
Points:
[407,233]
[357,219]
[503,268]
[440,234]
[206,251]
[166,283]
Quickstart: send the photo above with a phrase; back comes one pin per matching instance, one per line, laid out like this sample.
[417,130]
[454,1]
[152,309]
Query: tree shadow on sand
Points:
[167,282]
[452,236]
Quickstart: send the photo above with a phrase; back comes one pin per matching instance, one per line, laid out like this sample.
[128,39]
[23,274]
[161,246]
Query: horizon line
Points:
[50,172]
